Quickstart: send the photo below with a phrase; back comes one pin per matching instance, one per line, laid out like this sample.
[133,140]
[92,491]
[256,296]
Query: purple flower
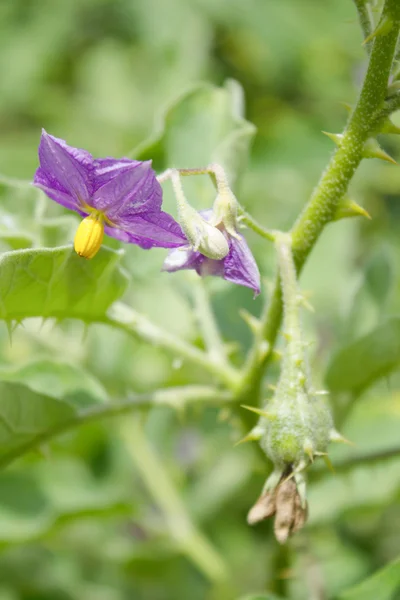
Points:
[119,197]
[238,266]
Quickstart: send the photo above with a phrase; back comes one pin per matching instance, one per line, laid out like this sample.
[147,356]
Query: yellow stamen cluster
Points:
[89,235]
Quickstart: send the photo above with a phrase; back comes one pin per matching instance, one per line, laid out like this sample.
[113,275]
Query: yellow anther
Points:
[89,236]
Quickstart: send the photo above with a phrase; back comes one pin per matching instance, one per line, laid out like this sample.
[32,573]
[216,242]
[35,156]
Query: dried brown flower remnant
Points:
[285,503]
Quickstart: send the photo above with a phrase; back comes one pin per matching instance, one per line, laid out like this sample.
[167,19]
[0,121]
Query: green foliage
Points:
[385,585]
[25,415]
[57,283]
[84,514]
[362,362]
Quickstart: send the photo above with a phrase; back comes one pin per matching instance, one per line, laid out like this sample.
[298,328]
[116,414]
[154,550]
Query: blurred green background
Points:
[78,522]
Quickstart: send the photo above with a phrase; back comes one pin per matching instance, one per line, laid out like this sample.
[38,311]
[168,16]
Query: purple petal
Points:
[182,258]
[240,266]
[125,188]
[148,230]
[107,168]
[65,173]
[186,258]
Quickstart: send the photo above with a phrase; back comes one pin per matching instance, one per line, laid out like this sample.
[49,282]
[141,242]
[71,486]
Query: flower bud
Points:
[225,212]
[203,237]
[225,209]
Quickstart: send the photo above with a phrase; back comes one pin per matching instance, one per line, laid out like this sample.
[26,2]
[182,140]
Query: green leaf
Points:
[379,277]
[52,502]
[373,426]
[369,358]
[371,486]
[60,379]
[26,415]
[58,283]
[203,125]
[383,585]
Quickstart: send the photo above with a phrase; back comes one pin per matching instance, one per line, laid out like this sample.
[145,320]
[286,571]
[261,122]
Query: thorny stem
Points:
[288,277]
[391,105]
[177,397]
[188,538]
[366,20]
[326,196]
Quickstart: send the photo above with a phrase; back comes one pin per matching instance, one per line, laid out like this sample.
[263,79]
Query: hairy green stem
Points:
[392,103]
[365,18]
[288,277]
[125,318]
[207,323]
[251,223]
[326,197]
[176,397]
[214,172]
[190,541]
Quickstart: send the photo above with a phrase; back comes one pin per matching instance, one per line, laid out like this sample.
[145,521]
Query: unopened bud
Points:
[225,209]
[202,235]
[225,212]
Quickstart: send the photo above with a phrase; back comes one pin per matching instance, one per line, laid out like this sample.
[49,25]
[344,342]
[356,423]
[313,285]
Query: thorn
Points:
[308,449]
[389,127]
[253,436]
[328,463]
[290,476]
[276,356]
[335,137]
[224,415]
[10,330]
[85,332]
[231,348]
[302,378]
[373,150]
[349,208]
[287,337]
[263,349]
[250,320]
[272,387]
[383,28]
[305,303]
[44,451]
[347,106]
[335,436]
[258,411]
[42,324]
